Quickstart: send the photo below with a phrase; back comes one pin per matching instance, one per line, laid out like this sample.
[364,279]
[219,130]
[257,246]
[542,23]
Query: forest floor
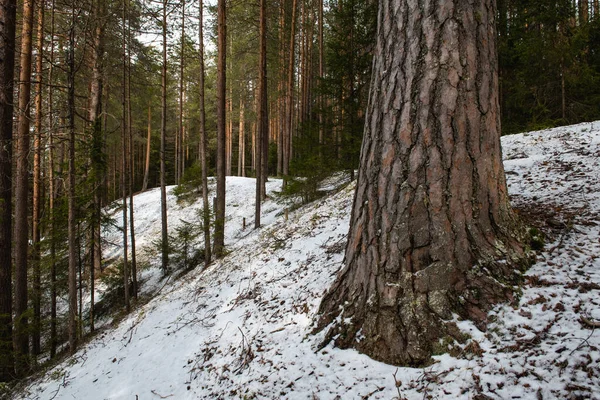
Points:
[242,329]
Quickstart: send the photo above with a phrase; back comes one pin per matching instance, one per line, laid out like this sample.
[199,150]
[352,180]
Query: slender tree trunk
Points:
[148,142]
[262,130]
[97,152]
[72,223]
[124,172]
[287,139]
[205,202]
[8,10]
[219,245]
[134,281]
[22,191]
[51,189]
[263,123]
[431,213]
[180,158]
[37,198]
[281,96]
[163,134]
[321,74]
[241,141]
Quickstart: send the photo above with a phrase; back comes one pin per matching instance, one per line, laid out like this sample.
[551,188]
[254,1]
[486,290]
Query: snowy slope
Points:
[242,329]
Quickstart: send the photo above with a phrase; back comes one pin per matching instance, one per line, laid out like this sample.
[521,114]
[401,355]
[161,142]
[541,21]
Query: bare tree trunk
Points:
[97,156]
[262,115]
[179,157]
[22,192]
[241,141]
[321,75]
[72,223]
[8,10]
[281,101]
[205,202]
[134,281]
[263,123]
[219,245]
[287,139]
[51,189]
[37,197]
[431,213]
[147,164]
[124,174]
[163,134]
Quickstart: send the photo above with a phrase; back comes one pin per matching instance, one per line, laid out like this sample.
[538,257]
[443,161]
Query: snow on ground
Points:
[242,328]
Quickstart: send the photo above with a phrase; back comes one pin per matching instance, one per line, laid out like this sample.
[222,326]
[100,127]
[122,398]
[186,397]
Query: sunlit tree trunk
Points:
[163,134]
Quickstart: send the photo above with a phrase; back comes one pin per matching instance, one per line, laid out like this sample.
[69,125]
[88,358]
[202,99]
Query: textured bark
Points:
[219,245]
[163,134]
[432,232]
[205,203]
[8,9]
[22,191]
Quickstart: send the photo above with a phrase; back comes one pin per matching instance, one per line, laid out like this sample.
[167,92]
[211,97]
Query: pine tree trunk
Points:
[97,156]
[179,157]
[262,134]
[37,197]
[148,142]
[51,189]
[432,233]
[22,191]
[131,149]
[241,141]
[124,172]
[72,220]
[287,138]
[163,134]
[8,9]
[219,245]
[205,202]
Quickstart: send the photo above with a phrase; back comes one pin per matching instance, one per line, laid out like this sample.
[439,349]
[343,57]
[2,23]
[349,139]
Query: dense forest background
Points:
[96,86]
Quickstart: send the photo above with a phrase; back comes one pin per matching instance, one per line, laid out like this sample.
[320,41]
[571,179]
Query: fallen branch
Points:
[162,397]
[588,322]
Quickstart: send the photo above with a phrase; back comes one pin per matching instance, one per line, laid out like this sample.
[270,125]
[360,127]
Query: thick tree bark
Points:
[163,134]
[205,202]
[22,191]
[8,10]
[219,245]
[432,232]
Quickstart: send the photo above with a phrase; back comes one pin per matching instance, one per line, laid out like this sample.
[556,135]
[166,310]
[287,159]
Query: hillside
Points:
[242,328]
